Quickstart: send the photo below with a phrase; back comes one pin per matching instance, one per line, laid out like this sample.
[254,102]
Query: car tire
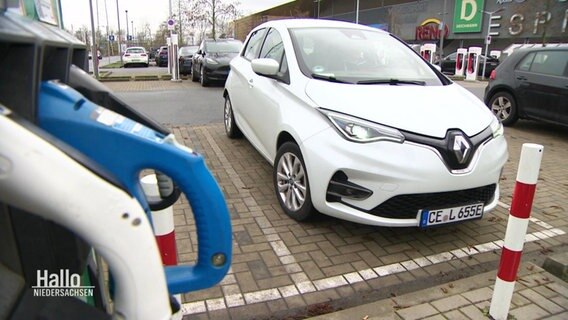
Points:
[504,107]
[194,75]
[291,183]
[203,78]
[146,65]
[231,128]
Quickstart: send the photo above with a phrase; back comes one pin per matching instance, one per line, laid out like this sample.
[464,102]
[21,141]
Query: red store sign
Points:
[429,29]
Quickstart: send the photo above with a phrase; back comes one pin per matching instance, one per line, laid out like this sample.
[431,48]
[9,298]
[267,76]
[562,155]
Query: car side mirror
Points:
[265,67]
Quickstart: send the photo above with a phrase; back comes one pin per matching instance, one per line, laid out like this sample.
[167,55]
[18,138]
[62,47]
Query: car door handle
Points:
[522,78]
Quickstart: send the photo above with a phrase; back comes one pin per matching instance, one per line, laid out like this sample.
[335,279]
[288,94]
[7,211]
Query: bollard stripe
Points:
[523,197]
[509,265]
[167,245]
[516,233]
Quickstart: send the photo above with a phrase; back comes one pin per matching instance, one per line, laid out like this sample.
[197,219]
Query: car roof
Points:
[316,23]
[135,48]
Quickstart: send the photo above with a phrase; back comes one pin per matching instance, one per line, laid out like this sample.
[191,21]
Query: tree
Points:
[214,14]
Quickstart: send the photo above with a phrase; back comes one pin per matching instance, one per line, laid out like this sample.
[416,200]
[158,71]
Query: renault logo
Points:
[461,147]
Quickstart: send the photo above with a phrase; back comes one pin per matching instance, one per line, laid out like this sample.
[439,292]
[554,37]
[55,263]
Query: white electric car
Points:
[358,126]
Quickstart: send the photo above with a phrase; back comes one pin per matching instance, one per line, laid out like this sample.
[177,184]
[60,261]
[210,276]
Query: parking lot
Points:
[283,269]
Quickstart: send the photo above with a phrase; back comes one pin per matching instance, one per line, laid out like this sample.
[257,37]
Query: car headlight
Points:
[362,131]
[496,127]
[210,61]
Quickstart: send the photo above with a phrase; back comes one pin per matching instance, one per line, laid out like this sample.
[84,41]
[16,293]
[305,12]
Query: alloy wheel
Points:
[291,181]
[228,115]
[502,108]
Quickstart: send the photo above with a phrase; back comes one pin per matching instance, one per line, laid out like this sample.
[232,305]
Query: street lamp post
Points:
[442,33]
[490,13]
[118,39]
[127,32]
[132,29]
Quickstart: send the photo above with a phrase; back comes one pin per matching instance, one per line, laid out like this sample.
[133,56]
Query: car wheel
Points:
[231,128]
[291,182]
[146,65]
[203,78]
[503,105]
[194,75]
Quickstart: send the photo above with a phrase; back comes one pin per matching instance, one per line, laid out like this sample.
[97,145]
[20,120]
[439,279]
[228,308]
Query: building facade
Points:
[462,23]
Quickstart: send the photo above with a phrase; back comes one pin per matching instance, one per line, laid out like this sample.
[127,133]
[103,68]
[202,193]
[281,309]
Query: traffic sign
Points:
[171,24]
[129,37]
[111,38]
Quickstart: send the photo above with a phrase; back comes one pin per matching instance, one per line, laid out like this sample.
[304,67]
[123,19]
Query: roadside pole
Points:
[520,212]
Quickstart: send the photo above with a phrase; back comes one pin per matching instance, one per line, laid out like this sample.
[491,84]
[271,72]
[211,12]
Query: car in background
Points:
[530,84]
[448,64]
[162,57]
[185,56]
[135,56]
[211,61]
[352,122]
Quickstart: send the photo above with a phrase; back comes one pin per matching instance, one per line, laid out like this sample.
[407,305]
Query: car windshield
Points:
[359,56]
[187,50]
[135,50]
[224,46]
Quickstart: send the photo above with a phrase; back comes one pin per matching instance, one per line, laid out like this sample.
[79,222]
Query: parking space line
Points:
[234,297]
[307,285]
[278,246]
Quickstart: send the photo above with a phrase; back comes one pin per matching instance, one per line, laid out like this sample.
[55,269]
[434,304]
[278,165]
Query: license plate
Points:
[430,218]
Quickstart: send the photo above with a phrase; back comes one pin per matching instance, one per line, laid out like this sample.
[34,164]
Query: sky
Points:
[76,13]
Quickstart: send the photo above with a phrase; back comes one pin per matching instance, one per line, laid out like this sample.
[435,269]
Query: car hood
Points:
[425,110]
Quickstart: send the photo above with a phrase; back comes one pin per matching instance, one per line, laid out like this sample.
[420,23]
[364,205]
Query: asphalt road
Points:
[187,103]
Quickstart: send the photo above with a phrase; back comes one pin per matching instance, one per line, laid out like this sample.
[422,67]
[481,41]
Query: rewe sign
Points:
[468,16]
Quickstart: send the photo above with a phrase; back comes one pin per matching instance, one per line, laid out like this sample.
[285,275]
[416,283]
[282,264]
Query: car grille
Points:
[407,206]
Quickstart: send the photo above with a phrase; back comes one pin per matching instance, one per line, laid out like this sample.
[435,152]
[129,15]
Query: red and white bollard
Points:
[162,224]
[520,212]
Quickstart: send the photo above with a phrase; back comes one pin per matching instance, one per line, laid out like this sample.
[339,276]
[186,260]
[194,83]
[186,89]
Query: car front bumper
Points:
[394,170]
[216,72]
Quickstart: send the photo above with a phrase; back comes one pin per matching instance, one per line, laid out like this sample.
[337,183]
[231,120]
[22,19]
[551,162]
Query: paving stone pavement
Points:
[538,295]
[283,269]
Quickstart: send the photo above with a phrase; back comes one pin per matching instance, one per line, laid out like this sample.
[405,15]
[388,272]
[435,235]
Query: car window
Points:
[135,50]
[230,46]
[358,56]
[549,62]
[525,64]
[451,57]
[253,44]
[273,48]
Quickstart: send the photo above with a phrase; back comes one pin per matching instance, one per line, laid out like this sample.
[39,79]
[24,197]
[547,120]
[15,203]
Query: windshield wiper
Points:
[327,78]
[392,82]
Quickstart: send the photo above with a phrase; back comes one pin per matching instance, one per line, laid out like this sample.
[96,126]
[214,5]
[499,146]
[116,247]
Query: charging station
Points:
[460,61]
[472,63]
[428,52]
[44,71]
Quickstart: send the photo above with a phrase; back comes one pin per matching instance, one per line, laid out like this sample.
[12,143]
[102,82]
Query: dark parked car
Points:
[162,57]
[530,84]
[185,55]
[211,61]
[449,64]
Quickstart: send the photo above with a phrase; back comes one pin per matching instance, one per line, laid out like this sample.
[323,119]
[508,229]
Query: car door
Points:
[239,91]
[267,94]
[544,85]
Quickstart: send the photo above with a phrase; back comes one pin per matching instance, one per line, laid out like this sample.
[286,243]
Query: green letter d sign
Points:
[467,16]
